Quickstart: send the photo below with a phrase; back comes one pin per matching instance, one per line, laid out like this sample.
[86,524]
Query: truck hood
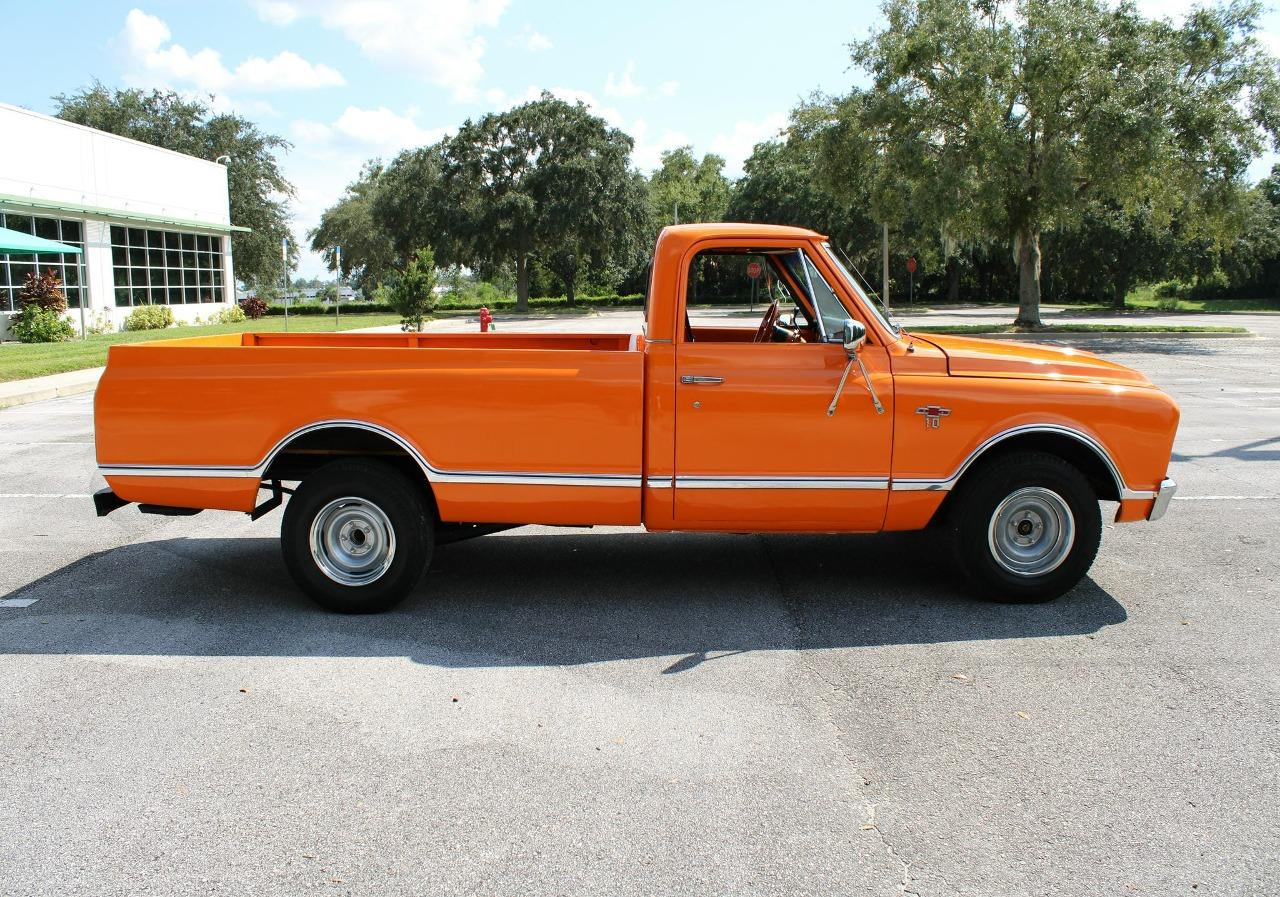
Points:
[967,357]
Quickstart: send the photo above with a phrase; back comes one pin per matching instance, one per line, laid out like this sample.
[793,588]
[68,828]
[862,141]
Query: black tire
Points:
[1003,562]
[361,506]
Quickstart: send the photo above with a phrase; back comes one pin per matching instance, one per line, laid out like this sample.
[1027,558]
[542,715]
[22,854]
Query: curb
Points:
[41,392]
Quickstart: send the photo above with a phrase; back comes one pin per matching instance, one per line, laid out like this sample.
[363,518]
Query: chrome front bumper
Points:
[1164,495]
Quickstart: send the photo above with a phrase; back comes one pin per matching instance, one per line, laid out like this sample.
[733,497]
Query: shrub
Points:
[348,308]
[149,317]
[414,296]
[43,291]
[41,325]
[233,315]
[253,307]
[100,323]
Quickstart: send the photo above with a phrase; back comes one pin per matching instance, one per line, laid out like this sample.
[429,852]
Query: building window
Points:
[15,267]
[164,267]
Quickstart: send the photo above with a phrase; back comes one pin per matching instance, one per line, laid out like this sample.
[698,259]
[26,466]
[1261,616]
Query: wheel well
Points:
[304,454]
[1078,454]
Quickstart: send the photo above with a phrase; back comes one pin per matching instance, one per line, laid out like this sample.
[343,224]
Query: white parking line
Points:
[45,495]
[17,602]
[1225,498]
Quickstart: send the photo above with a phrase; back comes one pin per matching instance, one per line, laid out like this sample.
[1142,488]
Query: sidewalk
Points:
[37,389]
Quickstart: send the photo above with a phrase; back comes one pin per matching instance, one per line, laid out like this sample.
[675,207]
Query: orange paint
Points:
[578,428]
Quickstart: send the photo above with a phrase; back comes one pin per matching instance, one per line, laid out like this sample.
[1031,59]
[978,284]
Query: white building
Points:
[154,225]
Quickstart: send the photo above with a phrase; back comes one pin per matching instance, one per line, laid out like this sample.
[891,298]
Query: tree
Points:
[696,188]
[1017,116]
[546,179]
[413,295]
[259,192]
[408,205]
[368,254]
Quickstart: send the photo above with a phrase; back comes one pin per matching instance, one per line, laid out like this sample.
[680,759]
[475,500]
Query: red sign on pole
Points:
[911,265]
[753,270]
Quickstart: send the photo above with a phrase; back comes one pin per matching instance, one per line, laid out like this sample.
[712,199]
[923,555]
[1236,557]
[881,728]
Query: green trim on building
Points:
[42,205]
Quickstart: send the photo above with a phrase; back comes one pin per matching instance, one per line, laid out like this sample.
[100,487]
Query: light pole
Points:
[337,300]
[284,253]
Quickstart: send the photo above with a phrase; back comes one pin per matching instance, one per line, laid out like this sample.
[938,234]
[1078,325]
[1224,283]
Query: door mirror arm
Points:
[855,335]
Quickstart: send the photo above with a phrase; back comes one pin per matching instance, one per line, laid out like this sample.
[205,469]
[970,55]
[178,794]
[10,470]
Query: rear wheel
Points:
[1026,527]
[357,536]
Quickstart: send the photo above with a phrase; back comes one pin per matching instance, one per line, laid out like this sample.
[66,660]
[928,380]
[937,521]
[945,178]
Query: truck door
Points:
[755,449]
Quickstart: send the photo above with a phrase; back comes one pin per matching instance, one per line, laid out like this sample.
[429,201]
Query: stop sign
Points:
[911,265]
[753,270]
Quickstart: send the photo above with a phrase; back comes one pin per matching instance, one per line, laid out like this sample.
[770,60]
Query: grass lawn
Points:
[21,360]
[1145,299]
[1073,328]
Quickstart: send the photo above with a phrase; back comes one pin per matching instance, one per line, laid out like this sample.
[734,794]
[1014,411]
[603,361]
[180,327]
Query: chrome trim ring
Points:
[352,541]
[1031,532]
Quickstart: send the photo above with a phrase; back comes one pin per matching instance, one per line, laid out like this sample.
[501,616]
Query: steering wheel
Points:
[765,333]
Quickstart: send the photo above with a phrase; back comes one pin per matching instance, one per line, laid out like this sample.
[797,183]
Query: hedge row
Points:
[609,301]
[451,304]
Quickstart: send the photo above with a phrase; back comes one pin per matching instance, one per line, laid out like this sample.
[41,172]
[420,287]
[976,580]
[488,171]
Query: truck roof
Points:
[692,232]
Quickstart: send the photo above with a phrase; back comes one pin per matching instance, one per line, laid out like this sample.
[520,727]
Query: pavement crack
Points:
[827,716]
[904,887]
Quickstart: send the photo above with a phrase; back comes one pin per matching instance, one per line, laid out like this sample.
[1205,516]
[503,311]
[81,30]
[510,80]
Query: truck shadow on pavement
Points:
[513,599]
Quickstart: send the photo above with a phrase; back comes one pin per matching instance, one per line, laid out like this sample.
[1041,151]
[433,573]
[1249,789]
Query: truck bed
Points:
[545,425]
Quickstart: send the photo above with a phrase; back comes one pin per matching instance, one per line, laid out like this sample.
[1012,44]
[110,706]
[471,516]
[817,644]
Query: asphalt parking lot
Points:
[609,712]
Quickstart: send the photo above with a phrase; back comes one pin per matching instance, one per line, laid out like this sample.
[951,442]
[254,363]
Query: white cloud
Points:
[625,86]
[531,40]
[439,41]
[156,60]
[647,155]
[737,145]
[383,128]
[668,88]
[363,132]
[277,12]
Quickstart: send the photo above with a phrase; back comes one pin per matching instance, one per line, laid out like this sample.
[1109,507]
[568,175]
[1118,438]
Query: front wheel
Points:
[357,536]
[1026,527]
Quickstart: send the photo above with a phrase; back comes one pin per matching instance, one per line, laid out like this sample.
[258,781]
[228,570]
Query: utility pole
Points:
[337,302]
[284,253]
[677,213]
[884,245]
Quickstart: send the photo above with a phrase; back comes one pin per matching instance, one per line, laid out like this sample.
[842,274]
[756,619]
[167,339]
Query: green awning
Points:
[18,242]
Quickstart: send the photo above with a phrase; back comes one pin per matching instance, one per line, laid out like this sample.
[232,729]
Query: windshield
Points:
[876,307]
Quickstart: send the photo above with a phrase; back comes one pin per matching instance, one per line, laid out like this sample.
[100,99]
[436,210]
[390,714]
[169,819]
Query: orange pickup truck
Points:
[825,416]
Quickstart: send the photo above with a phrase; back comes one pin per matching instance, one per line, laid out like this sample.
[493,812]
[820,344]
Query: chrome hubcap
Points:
[352,541]
[1032,531]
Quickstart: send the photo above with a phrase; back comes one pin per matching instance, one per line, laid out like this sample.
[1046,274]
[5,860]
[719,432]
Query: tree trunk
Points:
[1120,289]
[1028,278]
[568,287]
[522,282]
[953,280]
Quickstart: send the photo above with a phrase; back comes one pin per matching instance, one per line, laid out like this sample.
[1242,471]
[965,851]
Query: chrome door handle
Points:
[694,380]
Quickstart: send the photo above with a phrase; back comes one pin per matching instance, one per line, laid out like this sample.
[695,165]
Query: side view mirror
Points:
[854,336]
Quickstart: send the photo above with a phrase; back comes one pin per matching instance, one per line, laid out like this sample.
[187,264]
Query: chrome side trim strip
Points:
[700,482]
[433,474]
[947,483]
[659,482]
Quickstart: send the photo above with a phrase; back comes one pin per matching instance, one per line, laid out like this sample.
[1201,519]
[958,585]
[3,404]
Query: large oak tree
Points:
[1008,119]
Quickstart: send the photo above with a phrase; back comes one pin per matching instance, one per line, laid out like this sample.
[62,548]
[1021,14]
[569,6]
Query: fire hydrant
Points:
[485,319]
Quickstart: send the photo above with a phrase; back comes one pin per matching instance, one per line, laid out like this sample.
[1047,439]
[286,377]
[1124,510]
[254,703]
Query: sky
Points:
[350,80]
